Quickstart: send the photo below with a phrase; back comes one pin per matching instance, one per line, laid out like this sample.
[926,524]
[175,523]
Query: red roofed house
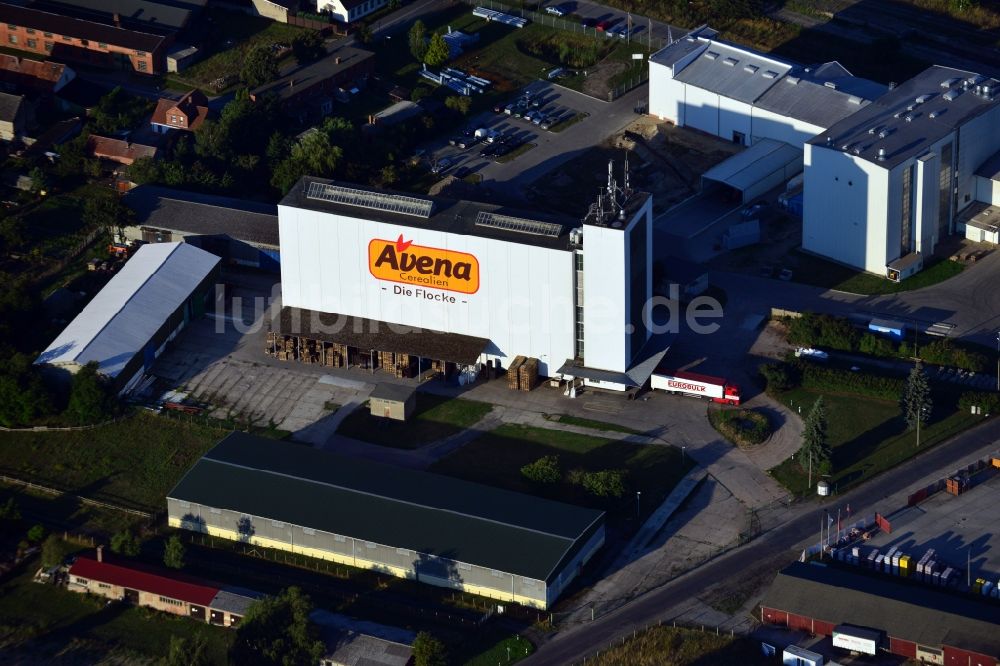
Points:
[173,593]
[187,113]
[117,150]
[33,76]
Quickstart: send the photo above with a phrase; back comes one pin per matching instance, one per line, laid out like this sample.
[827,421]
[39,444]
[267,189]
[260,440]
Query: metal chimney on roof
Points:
[881,154]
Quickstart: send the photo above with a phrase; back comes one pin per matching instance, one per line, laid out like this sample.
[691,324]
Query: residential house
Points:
[118,150]
[187,113]
[347,11]
[15,117]
[90,42]
[39,77]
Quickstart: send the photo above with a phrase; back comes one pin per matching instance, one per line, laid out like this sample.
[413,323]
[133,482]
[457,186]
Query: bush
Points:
[944,352]
[543,470]
[54,551]
[173,552]
[876,346]
[778,377]
[36,533]
[813,330]
[743,427]
[567,49]
[988,402]
[125,543]
[606,483]
[820,378]
[90,400]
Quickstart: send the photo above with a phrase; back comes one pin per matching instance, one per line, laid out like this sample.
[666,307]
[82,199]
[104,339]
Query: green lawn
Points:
[507,650]
[590,423]
[54,225]
[497,457]
[43,623]
[235,35]
[435,418]
[822,273]
[134,461]
[514,154]
[868,436]
[569,122]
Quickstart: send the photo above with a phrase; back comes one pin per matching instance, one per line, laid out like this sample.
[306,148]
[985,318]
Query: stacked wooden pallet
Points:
[527,374]
[282,347]
[334,355]
[513,373]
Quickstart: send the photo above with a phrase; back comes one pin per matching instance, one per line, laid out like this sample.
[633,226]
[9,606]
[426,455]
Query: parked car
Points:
[602,26]
[499,108]
[756,211]
[489,150]
[785,274]
[555,10]
[467,142]
[442,165]
[509,109]
[539,117]
[588,22]
[502,150]
[462,172]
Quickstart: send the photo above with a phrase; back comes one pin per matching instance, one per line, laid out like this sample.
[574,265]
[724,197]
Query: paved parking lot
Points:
[551,148]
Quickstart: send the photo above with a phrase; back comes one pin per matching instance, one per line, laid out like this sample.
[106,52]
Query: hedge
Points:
[988,402]
[820,378]
[743,427]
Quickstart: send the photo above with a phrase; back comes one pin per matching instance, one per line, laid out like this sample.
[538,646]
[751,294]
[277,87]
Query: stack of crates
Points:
[956,485]
[527,374]
[513,373]
[904,566]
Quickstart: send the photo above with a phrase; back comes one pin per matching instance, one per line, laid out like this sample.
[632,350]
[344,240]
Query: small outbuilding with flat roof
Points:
[393,401]
[412,524]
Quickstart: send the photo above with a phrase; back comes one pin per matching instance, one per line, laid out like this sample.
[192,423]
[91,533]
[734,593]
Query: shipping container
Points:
[893,329]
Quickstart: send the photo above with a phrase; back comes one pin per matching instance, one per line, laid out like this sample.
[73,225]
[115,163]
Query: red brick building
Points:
[914,620]
[63,38]
[187,113]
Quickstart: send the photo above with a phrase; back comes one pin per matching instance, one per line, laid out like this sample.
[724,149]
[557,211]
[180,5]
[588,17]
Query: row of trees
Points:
[603,483]
[433,50]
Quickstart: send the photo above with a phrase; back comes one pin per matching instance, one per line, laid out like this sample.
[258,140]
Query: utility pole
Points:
[920,417]
[810,470]
[998,361]
[649,46]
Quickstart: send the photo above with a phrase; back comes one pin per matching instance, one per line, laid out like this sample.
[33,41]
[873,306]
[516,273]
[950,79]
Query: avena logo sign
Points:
[421,266]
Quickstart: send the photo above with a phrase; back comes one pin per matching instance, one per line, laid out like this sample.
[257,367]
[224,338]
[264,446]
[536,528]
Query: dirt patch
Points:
[598,81]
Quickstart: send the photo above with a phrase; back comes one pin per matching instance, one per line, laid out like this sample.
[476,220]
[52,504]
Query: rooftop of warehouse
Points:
[78,28]
[447,215]
[315,73]
[204,214]
[936,102]
[389,505]
[903,609]
[131,13]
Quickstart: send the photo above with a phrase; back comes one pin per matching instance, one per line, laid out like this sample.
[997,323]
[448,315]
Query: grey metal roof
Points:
[734,72]
[123,317]
[204,214]
[393,506]
[138,13]
[315,73]
[448,215]
[235,600]
[351,648]
[694,41]
[9,105]
[396,392]
[947,94]
[810,101]
[743,170]
[643,365]
[908,611]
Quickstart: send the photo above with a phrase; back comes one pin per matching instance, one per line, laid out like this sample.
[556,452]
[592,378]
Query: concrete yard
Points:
[955,527]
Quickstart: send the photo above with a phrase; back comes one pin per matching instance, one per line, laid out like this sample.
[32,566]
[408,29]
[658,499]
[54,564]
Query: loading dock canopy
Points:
[856,639]
[761,167]
[369,334]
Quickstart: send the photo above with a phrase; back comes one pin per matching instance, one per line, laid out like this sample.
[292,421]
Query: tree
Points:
[54,551]
[814,450]
[9,510]
[364,34]
[118,110]
[437,51]
[187,653]
[428,651]
[605,483]
[544,470]
[173,552]
[144,170]
[125,543]
[307,46]
[276,630]
[916,399]
[39,180]
[90,400]
[461,104]
[316,154]
[36,533]
[23,395]
[259,67]
[105,208]
[418,40]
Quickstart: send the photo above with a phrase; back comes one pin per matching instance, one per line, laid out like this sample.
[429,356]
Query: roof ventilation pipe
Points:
[881,154]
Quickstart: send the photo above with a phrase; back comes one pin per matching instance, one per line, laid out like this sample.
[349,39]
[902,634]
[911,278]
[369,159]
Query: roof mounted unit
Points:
[751,68]
[881,154]
[730,61]
[770,74]
[948,83]
[950,95]
[711,55]
[830,84]
[909,118]
[518,224]
[922,99]
[886,131]
[854,100]
[935,114]
[873,130]
[794,80]
[393,203]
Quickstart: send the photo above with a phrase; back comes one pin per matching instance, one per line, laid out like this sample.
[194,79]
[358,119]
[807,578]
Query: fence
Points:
[674,624]
[968,471]
[48,490]
[646,38]
[73,253]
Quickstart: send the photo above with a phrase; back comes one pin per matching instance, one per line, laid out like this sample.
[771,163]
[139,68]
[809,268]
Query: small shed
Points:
[393,401]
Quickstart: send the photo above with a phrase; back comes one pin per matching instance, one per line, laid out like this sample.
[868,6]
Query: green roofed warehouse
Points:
[412,524]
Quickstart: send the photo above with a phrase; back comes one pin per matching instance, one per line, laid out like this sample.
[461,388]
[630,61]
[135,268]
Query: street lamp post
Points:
[683,449]
[998,361]
[638,493]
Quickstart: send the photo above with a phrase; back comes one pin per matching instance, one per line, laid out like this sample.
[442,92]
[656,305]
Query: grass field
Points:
[235,34]
[497,457]
[668,646]
[822,273]
[435,418]
[506,651]
[134,461]
[590,423]
[868,436]
[46,624]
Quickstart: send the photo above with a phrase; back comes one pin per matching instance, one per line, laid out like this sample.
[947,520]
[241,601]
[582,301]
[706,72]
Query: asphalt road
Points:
[573,645]
[642,26]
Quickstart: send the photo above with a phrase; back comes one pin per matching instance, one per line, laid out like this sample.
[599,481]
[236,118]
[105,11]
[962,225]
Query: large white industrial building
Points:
[885,185]
[482,283]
